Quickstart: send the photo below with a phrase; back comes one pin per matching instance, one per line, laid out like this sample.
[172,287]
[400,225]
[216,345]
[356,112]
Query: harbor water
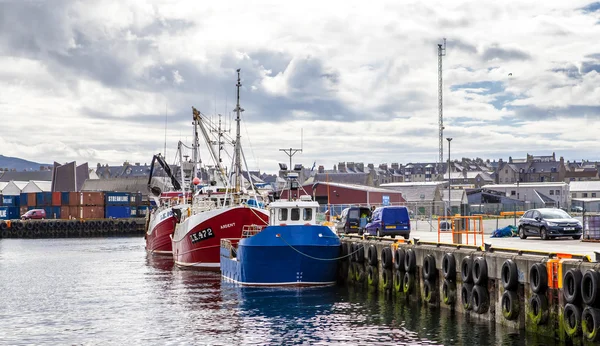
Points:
[108,291]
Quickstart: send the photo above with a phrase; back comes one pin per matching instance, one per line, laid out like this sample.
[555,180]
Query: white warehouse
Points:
[537,194]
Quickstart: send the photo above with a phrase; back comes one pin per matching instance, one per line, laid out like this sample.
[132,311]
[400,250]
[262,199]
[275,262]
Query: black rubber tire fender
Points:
[509,275]
[372,276]
[465,296]
[408,283]
[572,285]
[399,259]
[449,292]
[538,306]
[429,270]
[428,291]
[590,288]
[398,280]
[466,269]
[590,323]
[480,271]
[572,320]
[510,305]
[387,279]
[410,261]
[359,273]
[449,266]
[538,278]
[360,253]
[480,299]
[372,255]
[386,258]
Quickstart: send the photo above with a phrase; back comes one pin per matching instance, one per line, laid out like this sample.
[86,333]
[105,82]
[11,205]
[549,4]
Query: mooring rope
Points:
[317,258]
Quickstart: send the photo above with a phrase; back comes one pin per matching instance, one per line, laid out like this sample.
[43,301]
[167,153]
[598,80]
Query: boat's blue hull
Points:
[284,255]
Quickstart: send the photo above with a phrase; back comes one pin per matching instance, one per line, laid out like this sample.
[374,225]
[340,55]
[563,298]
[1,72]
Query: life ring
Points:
[572,285]
[398,281]
[399,259]
[372,276]
[572,319]
[386,258]
[589,288]
[448,292]
[510,305]
[449,266]
[590,323]
[429,267]
[427,291]
[466,269]
[372,255]
[387,278]
[509,275]
[480,271]
[465,295]
[408,283]
[538,278]
[410,260]
[538,305]
[480,299]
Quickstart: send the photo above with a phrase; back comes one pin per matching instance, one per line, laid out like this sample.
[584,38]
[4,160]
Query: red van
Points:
[34,214]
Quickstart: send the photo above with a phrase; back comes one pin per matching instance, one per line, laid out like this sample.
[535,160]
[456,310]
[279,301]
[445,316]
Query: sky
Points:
[108,81]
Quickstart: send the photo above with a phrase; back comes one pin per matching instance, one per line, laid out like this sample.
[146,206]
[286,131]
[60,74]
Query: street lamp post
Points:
[449,139]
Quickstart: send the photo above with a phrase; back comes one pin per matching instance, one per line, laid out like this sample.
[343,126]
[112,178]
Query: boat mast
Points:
[238,161]
[195,144]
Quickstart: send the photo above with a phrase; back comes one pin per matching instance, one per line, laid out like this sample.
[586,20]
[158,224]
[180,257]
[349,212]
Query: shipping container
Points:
[117,212]
[52,212]
[142,210]
[133,211]
[22,211]
[91,199]
[56,199]
[74,198]
[136,198]
[23,199]
[11,201]
[65,213]
[91,212]
[43,199]
[64,198]
[31,199]
[9,213]
[117,198]
[74,212]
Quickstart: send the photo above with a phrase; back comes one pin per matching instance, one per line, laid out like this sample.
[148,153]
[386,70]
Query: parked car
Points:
[34,214]
[548,223]
[353,220]
[390,220]
[577,209]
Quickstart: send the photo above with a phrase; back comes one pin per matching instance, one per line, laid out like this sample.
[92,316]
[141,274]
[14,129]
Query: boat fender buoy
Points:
[589,288]
[449,266]
[538,278]
[572,285]
[429,267]
[480,271]
[466,269]
[509,275]
[538,305]
[510,305]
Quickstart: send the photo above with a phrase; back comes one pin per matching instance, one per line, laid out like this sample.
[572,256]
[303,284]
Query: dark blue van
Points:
[390,221]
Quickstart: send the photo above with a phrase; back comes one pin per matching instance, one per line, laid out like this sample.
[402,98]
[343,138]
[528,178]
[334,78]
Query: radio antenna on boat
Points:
[290,152]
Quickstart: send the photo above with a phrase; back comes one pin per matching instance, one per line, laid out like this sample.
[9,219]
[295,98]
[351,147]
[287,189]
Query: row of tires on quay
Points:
[68,228]
[581,291]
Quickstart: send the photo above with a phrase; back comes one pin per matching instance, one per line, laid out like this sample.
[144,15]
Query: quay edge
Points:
[485,298]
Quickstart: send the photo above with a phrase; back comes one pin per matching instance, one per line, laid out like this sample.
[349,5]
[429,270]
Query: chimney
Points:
[395,166]
[510,159]
[342,167]
[350,166]
[321,169]
[137,163]
[371,166]
[383,166]
[360,167]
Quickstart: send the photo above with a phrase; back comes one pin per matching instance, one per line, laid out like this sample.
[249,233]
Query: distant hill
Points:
[19,164]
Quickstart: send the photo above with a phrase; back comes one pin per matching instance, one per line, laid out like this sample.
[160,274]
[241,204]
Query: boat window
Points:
[295,214]
[307,214]
[283,214]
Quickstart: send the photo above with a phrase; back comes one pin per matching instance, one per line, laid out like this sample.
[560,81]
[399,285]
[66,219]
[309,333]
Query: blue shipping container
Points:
[43,199]
[11,201]
[133,212]
[9,213]
[23,199]
[64,198]
[52,212]
[117,212]
[136,198]
[117,198]
[142,210]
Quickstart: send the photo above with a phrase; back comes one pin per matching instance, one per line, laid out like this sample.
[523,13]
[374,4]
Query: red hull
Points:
[160,228]
[197,240]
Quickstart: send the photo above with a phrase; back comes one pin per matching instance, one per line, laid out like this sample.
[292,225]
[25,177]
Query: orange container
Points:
[74,198]
[56,199]
[92,199]
[31,199]
[94,212]
[65,212]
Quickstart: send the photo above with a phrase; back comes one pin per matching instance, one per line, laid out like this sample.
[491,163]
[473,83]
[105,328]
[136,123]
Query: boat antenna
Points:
[291,152]
[165,151]
[238,139]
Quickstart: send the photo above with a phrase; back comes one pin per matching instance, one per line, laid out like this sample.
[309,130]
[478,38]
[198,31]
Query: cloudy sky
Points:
[93,80]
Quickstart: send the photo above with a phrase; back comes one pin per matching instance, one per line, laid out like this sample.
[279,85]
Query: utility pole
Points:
[449,178]
[441,53]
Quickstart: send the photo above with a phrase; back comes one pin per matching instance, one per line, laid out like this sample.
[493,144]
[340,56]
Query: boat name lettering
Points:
[228,225]
[202,235]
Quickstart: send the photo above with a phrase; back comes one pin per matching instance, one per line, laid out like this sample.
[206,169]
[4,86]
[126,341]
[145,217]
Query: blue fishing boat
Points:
[292,250]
